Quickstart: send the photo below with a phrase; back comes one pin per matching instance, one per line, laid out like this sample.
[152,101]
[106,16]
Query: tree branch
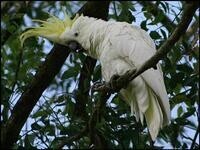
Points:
[98,143]
[83,87]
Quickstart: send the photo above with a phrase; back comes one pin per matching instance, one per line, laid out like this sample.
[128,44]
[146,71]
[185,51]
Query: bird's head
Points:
[54,29]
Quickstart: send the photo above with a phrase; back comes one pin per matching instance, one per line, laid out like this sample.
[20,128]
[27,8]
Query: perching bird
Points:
[119,47]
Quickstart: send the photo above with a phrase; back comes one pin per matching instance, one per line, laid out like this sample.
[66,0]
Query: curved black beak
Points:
[75,46]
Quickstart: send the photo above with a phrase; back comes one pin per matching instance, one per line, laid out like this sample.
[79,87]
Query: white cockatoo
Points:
[119,47]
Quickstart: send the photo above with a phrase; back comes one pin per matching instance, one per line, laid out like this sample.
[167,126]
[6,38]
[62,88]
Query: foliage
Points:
[53,117]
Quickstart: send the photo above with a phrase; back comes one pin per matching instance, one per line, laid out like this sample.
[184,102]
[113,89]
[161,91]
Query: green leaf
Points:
[69,109]
[178,99]
[180,111]
[28,141]
[50,130]
[184,146]
[12,28]
[36,126]
[178,77]
[176,55]
[71,72]
[155,35]
[185,68]
[70,130]
[147,15]
[144,25]
[126,16]
[40,113]
[61,98]
[190,111]
[157,19]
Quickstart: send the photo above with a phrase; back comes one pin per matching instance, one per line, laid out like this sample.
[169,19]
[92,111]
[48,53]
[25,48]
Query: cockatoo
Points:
[119,47]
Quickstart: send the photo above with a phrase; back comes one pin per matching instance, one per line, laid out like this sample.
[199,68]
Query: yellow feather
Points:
[52,28]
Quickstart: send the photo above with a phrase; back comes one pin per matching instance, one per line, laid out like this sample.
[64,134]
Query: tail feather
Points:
[130,99]
[154,115]
[144,103]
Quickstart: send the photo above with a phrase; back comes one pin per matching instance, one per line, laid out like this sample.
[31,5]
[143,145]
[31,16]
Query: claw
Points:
[115,84]
[117,81]
[98,86]
[114,80]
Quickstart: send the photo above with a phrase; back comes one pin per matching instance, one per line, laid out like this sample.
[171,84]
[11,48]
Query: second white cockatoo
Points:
[119,47]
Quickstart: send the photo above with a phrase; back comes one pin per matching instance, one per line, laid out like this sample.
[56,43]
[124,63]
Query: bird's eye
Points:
[76,34]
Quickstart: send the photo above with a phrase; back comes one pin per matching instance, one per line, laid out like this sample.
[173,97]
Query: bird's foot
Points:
[99,86]
[106,86]
[115,84]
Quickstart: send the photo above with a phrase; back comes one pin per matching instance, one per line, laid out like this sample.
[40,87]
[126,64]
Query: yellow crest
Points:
[51,29]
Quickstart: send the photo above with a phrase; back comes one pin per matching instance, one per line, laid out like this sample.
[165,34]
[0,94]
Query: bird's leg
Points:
[103,86]
[116,82]
[99,86]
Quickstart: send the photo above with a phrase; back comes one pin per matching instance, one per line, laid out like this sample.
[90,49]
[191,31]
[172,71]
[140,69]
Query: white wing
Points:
[144,49]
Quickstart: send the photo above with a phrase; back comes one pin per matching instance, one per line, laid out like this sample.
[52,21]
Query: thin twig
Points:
[41,138]
[72,138]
